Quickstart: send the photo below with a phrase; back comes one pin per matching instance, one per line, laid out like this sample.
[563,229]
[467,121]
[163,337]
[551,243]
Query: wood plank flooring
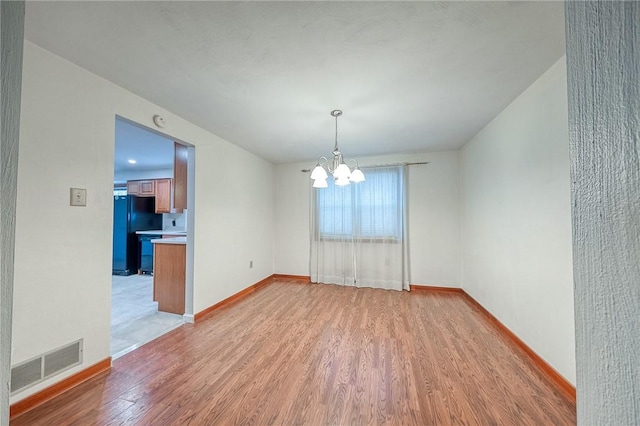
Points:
[293,354]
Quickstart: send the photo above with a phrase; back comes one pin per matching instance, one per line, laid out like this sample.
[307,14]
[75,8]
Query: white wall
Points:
[234,222]
[63,263]
[434,222]
[516,220]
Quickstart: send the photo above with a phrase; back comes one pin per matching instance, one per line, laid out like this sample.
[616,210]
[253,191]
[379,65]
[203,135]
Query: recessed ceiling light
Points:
[132,161]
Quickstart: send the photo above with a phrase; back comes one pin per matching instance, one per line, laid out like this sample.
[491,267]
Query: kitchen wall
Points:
[174,220]
[63,263]
[125,175]
[434,221]
[516,220]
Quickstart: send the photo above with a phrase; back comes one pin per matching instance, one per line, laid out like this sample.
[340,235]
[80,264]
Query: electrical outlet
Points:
[78,197]
[250,264]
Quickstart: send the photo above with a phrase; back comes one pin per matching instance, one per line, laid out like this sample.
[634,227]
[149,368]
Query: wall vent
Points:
[26,374]
[35,370]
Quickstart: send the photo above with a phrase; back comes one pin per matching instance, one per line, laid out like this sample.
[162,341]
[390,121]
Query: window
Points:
[370,210]
[120,191]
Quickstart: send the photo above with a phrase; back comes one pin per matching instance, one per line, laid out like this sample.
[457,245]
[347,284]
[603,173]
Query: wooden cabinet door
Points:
[133,187]
[163,195]
[169,274]
[141,188]
[147,188]
[179,177]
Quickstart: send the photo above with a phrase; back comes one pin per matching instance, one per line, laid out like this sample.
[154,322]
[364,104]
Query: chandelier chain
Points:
[335,148]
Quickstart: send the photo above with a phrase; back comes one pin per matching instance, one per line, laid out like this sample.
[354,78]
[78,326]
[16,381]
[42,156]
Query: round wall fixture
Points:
[159,121]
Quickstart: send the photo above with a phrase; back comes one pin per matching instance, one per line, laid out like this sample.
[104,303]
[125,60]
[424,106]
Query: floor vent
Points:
[35,370]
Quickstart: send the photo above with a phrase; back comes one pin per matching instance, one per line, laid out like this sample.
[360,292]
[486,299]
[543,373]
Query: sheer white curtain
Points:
[359,232]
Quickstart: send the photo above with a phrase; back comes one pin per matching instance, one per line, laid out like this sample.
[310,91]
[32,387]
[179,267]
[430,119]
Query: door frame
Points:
[188,315]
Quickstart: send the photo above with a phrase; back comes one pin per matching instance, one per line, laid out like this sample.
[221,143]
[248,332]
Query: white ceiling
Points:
[151,151]
[409,76]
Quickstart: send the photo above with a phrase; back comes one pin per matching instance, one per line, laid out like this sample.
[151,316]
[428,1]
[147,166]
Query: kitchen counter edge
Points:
[177,240]
[161,232]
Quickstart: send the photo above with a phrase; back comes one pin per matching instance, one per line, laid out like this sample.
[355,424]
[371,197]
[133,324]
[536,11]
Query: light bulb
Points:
[319,173]
[357,175]
[342,171]
[320,183]
[342,181]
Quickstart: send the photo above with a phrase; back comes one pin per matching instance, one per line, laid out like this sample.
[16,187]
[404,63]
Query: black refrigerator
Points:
[131,214]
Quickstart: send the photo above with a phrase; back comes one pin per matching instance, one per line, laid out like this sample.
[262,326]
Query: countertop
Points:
[176,240]
[161,232]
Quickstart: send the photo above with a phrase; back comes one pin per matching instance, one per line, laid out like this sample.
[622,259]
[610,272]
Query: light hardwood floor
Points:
[295,353]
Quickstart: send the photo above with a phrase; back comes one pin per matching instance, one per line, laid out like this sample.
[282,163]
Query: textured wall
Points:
[12,28]
[604,121]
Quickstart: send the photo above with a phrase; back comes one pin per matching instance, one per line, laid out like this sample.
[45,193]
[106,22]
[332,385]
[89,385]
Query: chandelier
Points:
[341,172]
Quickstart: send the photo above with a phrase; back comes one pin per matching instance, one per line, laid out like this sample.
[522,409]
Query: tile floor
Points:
[135,319]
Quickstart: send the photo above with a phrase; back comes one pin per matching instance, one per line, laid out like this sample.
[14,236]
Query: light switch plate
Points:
[78,197]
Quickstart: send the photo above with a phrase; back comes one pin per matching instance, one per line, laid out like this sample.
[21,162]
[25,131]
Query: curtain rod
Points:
[415,163]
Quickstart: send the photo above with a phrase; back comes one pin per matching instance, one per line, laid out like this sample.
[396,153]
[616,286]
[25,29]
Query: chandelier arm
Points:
[324,162]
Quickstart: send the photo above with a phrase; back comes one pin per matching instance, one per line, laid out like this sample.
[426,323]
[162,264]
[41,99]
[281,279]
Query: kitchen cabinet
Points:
[171,194]
[133,187]
[145,262]
[141,188]
[162,189]
[164,195]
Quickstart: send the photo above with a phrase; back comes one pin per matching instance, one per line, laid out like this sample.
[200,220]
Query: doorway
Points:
[146,211]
